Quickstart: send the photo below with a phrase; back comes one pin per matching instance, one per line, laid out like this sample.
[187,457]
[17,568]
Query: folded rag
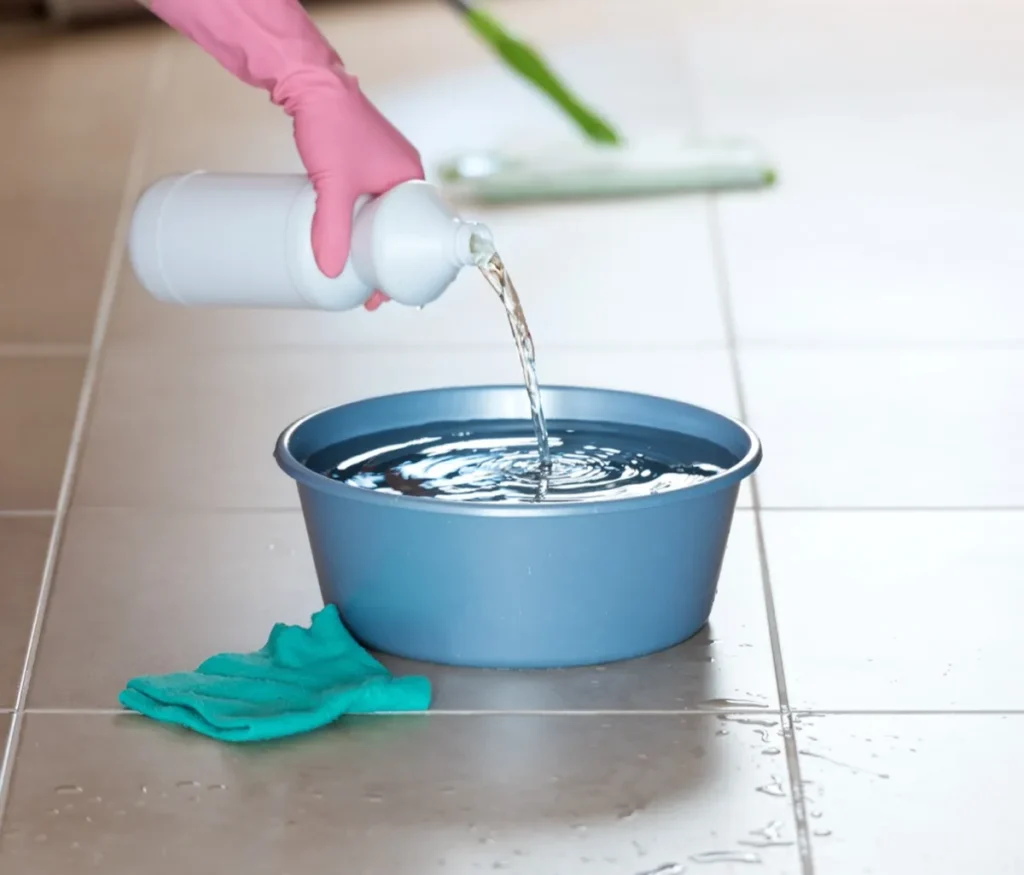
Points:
[300,680]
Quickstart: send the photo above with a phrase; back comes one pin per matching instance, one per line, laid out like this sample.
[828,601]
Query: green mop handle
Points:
[532,67]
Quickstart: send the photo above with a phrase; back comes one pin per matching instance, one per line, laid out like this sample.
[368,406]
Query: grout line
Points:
[839,345]
[158,76]
[967,508]
[604,712]
[912,712]
[797,797]
[472,712]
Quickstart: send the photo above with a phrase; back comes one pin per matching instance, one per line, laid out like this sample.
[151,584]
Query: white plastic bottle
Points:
[243,240]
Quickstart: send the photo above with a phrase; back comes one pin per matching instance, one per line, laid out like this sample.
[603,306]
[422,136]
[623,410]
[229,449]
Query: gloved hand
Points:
[347,147]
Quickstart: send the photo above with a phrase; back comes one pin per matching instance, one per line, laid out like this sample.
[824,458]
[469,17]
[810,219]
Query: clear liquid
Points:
[499,461]
[493,269]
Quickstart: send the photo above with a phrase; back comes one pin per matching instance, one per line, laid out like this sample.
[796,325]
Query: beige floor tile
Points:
[641,94]
[914,793]
[860,242]
[23,543]
[940,593]
[585,273]
[218,582]
[197,430]
[887,428]
[396,795]
[170,589]
[54,253]
[77,102]
[934,264]
[426,39]
[38,401]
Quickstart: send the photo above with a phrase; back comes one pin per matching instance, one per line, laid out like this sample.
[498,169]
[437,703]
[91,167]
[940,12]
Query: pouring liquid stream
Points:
[494,271]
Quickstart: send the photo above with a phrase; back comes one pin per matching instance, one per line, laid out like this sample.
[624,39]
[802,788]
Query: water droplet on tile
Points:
[143,789]
[726,857]
[271,547]
[67,790]
[579,827]
[771,752]
[770,832]
[815,814]
[665,869]
[752,721]
[773,788]
[642,756]
[183,784]
[373,797]
[765,843]
[823,833]
[225,787]
[763,735]
[88,819]
[54,811]
[856,769]
[722,732]
[726,702]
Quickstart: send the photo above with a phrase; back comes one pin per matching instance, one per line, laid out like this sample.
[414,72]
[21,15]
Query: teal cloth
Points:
[302,679]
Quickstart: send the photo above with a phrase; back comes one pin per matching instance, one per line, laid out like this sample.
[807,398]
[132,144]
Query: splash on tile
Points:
[710,857]
[772,788]
[67,790]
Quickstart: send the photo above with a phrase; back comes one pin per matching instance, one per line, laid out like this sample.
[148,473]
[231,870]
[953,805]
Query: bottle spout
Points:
[474,244]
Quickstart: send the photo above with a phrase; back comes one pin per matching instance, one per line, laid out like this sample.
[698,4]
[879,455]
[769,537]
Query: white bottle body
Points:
[244,240]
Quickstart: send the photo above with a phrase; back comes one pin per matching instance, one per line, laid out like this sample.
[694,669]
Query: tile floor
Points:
[866,317]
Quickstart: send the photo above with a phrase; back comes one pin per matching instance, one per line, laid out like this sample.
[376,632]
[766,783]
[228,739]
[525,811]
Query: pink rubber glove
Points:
[347,147]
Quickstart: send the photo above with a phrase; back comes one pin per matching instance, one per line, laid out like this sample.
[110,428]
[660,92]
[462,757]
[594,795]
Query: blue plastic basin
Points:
[520,585]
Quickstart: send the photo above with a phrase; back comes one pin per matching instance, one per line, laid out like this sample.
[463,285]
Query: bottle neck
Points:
[473,244]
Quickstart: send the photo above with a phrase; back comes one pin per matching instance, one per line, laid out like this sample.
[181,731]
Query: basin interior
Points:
[739,448]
